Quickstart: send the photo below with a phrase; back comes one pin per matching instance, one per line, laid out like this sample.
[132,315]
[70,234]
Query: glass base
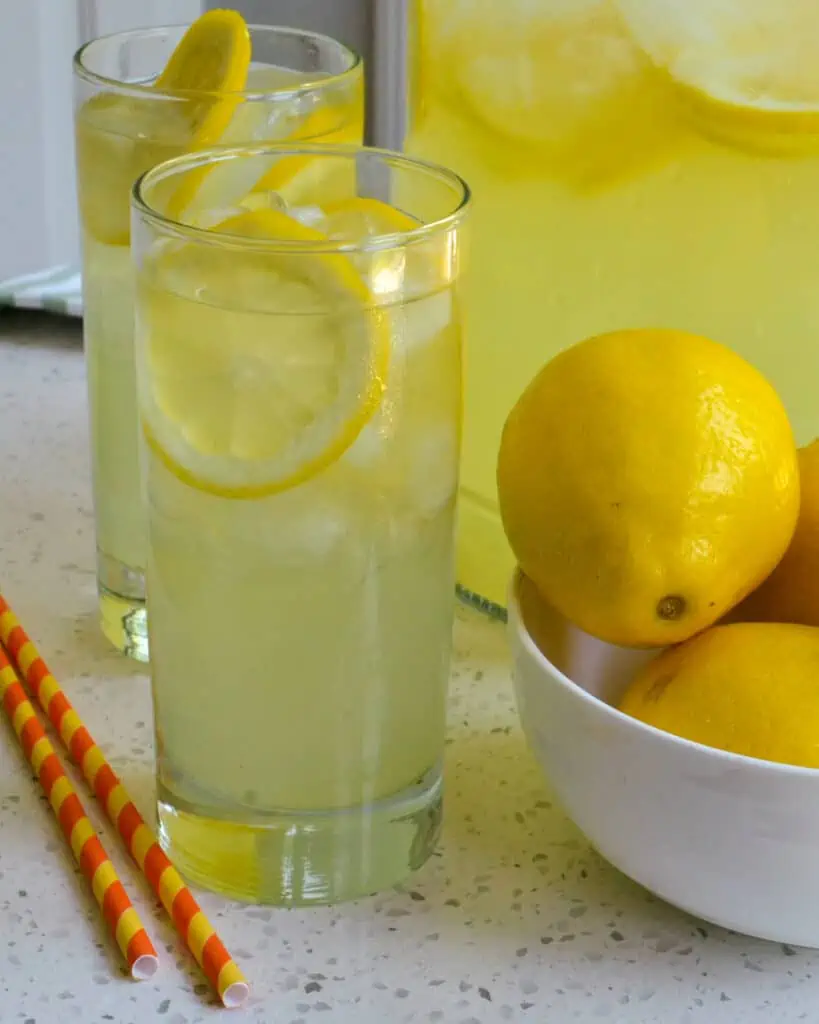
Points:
[299,859]
[122,607]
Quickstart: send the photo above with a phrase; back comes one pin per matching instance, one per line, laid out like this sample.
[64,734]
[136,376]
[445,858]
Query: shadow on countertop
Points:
[47,330]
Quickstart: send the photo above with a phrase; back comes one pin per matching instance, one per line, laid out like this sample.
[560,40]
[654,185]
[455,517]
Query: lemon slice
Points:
[300,178]
[358,217]
[259,369]
[212,57]
[246,181]
[355,219]
[556,88]
[411,280]
[398,273]
[744,71]
[775,131]
[121,136]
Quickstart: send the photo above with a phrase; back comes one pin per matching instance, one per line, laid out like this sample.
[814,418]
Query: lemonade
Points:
[636,163]
[299,372]
[135,108]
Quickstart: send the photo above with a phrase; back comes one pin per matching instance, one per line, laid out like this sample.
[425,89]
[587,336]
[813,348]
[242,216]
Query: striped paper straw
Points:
[183,910]
[121,918]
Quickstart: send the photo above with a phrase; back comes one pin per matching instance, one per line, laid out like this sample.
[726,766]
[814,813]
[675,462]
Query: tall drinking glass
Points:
[299,86]
[300,395]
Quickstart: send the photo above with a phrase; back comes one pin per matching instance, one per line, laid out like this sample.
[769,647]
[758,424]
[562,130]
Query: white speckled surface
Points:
[515,920]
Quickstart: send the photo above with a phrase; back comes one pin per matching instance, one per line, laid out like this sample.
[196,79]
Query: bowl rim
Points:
[524,638]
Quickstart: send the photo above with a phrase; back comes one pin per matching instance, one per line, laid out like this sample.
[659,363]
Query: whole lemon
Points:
[647,482]
[749,687]
[791,592]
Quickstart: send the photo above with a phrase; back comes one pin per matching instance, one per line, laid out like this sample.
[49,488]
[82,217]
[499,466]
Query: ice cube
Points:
[370,446]
[312,534]
[433,468]
[422,320]
[310,216]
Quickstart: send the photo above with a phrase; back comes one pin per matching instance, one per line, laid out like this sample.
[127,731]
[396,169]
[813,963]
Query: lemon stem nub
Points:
[671,607]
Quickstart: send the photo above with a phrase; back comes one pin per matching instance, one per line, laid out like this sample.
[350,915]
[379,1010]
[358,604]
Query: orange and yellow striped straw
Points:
[121,918]
[185,913]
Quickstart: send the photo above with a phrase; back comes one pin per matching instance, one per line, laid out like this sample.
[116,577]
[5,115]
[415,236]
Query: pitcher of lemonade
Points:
[634,163]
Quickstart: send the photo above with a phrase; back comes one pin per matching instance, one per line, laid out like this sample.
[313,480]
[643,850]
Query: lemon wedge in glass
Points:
[120,135]
[211,60]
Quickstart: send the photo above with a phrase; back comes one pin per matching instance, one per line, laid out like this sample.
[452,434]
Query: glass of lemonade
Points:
[638,163]
[135,108]
[299,366]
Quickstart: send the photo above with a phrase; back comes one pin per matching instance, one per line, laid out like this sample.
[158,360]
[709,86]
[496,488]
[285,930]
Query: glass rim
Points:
[388,240]
[84,72]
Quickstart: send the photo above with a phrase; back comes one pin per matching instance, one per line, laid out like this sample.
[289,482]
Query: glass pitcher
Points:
[634,163]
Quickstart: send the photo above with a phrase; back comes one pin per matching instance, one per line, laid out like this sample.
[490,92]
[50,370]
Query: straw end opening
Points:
[235,995]
[144,967]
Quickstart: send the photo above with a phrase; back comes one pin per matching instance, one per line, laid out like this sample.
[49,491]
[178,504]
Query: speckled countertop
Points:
[516,919]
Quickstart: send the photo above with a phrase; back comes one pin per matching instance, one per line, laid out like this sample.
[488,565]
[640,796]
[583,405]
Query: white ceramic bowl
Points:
[728,838]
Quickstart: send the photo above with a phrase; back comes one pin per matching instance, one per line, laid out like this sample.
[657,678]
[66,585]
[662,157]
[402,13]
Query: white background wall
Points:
[346,20]
[360,24]
[38,225]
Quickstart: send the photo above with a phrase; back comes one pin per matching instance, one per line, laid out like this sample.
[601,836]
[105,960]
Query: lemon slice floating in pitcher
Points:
[556,89]
[120,136]
[260,368]
[745,72]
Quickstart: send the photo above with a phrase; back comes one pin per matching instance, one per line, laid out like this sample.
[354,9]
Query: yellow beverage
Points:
[636,163]
[297,86]
[300,398]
